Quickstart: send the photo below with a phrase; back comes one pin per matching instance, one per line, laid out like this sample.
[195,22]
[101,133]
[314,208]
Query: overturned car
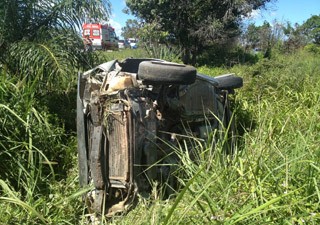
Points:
[130,113]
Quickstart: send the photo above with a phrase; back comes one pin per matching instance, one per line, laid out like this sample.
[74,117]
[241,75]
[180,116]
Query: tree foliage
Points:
[295,38]
[131,29]
[195,24]
[298,36]
[311,28]
[263,37]
[251,36]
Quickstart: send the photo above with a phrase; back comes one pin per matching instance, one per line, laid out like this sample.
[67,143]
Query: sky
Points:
[294,11]
[118,18]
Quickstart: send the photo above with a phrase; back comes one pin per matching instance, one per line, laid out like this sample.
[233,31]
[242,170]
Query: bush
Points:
[220,55]
[314,48]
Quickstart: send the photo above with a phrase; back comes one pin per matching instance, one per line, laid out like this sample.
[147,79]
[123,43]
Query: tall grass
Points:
[35,155]
[273,177]
[159,52]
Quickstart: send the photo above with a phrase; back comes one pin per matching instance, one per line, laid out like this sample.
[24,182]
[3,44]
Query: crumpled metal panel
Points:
[96,163]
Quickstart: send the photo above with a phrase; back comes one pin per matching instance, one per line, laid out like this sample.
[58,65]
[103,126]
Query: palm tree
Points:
[40,41]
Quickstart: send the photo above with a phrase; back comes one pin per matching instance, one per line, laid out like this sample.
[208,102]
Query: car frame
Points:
[130,112]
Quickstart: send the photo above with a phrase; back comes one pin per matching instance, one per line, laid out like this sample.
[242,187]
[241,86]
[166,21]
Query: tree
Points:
[311,28]
[294,37]
[264,37]
[131,29]
[195,24]
[251,36]
[39,40]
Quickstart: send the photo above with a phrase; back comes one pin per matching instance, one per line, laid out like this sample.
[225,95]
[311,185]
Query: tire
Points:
[229,81]
[161,72]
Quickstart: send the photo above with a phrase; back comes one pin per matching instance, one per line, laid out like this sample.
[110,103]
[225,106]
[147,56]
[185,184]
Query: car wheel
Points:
[161,72]
[229,81]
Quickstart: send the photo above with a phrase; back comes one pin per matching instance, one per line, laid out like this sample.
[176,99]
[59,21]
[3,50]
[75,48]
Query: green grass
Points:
[273,178]
[122,54]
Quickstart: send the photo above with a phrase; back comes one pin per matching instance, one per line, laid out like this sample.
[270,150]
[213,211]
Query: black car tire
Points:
[160,72]
[229,81]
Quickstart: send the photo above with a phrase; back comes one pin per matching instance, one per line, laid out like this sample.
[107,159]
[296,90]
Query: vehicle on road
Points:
[103,36]
[123,44]
[132,114]
[133,43]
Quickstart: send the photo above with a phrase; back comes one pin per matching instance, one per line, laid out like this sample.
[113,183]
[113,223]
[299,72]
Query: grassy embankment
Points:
[273,177]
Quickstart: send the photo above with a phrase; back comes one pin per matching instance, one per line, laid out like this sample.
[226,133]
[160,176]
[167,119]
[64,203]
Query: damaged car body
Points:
[130,112]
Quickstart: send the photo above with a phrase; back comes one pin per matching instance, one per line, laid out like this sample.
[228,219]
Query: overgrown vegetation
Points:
[272,178]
